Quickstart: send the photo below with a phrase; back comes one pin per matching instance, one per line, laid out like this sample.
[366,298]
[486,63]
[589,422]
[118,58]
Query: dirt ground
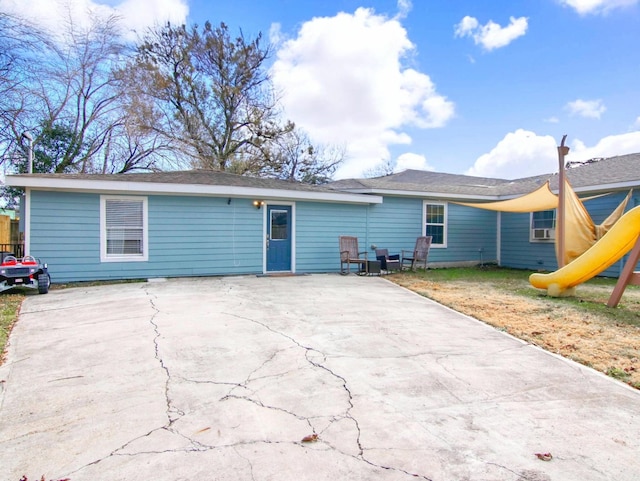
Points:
[591,339]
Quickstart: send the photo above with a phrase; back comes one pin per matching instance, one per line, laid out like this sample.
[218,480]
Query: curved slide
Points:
[603,254]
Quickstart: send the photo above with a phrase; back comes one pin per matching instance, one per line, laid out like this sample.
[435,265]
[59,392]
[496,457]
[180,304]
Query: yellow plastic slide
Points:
[603,254]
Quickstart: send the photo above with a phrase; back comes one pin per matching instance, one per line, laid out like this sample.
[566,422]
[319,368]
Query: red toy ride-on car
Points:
[27,272]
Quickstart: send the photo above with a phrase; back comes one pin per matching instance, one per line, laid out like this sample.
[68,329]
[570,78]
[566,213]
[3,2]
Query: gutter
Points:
[100,186]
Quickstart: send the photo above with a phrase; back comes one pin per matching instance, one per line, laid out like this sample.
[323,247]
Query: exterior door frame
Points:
[265,220]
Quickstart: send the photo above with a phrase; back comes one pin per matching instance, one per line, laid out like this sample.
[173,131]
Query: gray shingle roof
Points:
[595,175]
[598,175]
[193,177]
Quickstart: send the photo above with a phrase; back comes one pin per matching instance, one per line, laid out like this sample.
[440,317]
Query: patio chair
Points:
[418,255]
[388,262]
[349,254]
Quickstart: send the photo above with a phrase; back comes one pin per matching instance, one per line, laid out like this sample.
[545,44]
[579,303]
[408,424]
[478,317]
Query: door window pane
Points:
[279,230]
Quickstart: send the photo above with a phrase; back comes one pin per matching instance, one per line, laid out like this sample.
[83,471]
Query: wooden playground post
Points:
[628,276]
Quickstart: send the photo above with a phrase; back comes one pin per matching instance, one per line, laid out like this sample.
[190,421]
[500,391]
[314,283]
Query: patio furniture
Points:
[349,254]
[418,255]
[374,267]
[388,262]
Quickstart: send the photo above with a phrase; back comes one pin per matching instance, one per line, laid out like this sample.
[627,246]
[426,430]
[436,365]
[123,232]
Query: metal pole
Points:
[29,138]
[560,221]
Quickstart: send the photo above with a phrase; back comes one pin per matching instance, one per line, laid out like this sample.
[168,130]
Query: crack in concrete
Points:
[174,414]
[347,414]
[248,462]
[528,475]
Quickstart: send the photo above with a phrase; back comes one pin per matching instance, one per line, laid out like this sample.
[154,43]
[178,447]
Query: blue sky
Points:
[467,87]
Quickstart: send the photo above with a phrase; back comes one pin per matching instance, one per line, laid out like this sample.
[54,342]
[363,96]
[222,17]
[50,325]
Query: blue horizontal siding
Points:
[318,226]
[471,236]
[192,235]
[395,224]
[518,251]
[187,236]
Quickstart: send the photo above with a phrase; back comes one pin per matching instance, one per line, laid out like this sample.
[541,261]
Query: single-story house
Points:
[197,223]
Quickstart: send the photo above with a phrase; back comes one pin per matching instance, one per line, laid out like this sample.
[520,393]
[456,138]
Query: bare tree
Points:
[293,157]
[210,94]
[385,167]
[71,101]
[18,70]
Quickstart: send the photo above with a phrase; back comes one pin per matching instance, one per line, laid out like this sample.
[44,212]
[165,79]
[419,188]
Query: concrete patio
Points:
[222,378]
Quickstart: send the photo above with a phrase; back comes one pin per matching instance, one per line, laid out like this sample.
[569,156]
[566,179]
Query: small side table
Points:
[373,267]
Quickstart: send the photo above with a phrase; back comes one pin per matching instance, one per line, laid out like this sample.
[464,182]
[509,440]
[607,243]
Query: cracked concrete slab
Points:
[222,378]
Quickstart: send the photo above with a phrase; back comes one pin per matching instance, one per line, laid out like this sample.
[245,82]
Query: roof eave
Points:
[422,194]
[101,186]
[631,184]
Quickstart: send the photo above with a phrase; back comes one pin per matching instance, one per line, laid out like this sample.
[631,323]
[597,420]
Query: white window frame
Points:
[425,203]
[104,257]
[548,233]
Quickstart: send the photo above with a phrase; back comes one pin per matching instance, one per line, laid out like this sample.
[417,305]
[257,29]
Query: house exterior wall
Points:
[188,236]
[472,236]
[520,253]
[318,226]
[198,235]
[398,221]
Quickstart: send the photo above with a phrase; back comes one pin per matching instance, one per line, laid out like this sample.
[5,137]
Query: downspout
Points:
[560,221]
[499,238]
[366,227]
[27,221]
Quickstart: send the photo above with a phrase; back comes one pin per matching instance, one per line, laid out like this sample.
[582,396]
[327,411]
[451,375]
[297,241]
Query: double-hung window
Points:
[435,223]
[123,229]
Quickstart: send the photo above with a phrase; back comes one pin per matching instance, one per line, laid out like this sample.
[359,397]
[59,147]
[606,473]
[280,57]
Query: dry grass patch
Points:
[582,328]
[9,307]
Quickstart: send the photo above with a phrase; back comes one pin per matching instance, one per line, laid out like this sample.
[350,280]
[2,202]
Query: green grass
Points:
[9,307]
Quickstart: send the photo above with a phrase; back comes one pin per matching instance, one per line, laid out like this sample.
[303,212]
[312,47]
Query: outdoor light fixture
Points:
[258,203]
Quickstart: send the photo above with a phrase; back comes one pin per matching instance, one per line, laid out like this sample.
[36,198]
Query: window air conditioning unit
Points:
[544,234]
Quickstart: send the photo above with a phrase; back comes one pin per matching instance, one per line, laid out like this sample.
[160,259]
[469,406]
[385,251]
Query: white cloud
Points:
[275,34]
[636,124]
[523,154]
[552,120]
[136,15]
[586,7]
[342,80]
[413,161]
[491,35]
[607,147]
[519,154]
[404,7]
[592,109]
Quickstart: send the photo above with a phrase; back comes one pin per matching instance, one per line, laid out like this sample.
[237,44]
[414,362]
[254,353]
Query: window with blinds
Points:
[123,228]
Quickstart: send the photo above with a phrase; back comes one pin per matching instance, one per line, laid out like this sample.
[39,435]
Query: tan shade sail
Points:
[538,200]
[580,231]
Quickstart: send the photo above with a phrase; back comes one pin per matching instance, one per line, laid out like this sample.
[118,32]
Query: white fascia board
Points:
[422,195]
[632,184]
[108,187]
